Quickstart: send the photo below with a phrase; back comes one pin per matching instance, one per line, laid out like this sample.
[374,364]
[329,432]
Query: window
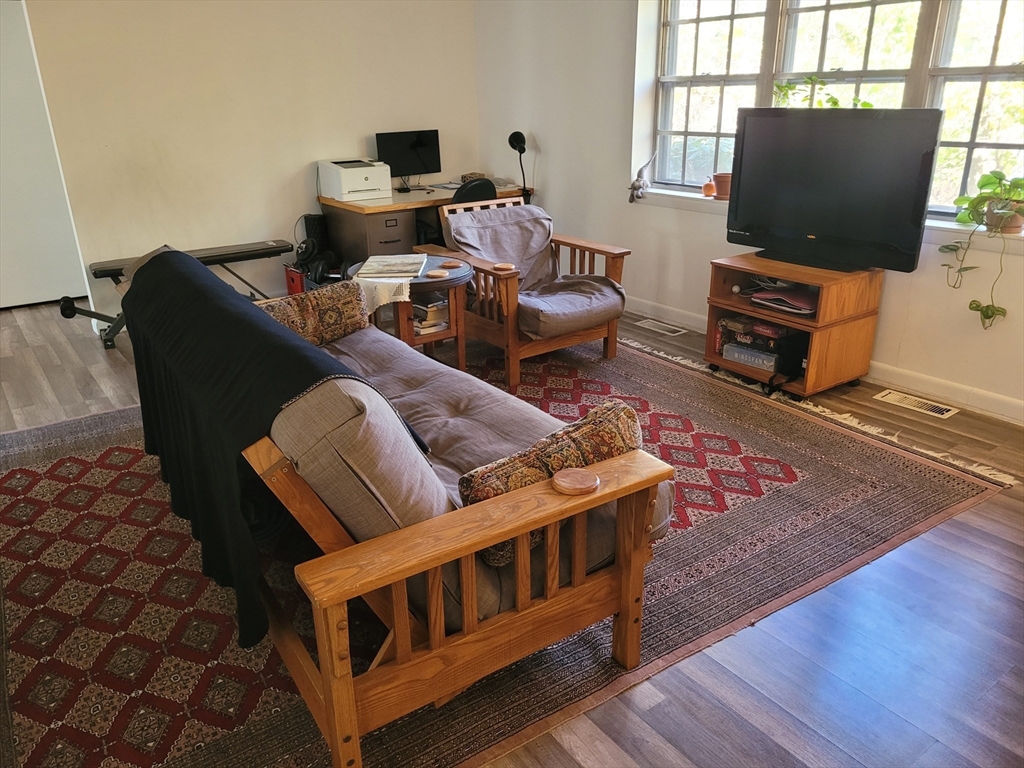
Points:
[860,50]
[964,56]
[711,58]
[977,80]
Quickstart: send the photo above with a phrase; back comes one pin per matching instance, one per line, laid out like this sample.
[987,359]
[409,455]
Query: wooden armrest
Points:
[486,267]
[480,265]
[436,250]
[386,559]
[587,245]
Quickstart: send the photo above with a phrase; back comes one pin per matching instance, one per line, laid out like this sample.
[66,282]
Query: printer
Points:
[361,179]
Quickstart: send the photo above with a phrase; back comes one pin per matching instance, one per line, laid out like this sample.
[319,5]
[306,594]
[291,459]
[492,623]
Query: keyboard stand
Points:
[220,256]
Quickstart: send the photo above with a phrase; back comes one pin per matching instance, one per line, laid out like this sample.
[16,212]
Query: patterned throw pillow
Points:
[608,430]
[322,315]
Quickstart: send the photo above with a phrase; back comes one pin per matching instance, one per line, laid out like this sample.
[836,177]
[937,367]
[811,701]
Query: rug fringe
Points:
[846,419]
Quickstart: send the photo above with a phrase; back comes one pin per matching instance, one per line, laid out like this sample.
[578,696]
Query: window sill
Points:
[941,231]
[684,201]
[937,231]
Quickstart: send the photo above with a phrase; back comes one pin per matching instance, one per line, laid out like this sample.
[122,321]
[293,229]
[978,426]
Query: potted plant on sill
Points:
[999,207]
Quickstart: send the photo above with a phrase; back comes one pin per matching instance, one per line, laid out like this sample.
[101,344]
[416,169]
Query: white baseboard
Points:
[949,392]
[691,321]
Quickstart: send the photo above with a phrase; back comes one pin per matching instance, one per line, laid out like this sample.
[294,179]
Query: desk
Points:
[384,225]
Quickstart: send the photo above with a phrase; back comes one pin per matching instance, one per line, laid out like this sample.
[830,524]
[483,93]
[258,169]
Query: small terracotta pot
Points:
[1011,226]
[723,183]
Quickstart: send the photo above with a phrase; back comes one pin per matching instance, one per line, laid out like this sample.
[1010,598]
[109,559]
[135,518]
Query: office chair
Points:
[475,190]
[472,191]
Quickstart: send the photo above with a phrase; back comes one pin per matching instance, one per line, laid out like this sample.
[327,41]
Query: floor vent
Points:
[916,403]
[662,328]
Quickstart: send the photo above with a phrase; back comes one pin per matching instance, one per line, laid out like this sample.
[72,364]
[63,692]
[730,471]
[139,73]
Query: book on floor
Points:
[404,265]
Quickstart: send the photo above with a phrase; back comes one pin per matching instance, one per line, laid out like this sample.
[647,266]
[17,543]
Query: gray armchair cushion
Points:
[520,235]
[570,303]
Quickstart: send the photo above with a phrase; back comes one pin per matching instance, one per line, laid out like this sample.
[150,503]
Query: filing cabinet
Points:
[358,235]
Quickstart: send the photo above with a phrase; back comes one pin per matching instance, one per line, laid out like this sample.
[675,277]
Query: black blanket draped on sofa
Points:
[214,371]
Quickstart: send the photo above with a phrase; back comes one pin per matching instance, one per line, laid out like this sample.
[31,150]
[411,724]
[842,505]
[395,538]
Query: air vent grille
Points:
[915,403]
[662,328]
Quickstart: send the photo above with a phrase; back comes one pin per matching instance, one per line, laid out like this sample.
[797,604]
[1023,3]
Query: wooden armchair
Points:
[418,663]
[494,316]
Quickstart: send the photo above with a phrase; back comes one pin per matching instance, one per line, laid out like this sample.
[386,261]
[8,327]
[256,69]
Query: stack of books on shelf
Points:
[429,315]
[749,341]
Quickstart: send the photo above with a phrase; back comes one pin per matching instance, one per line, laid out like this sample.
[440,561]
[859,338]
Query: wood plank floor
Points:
[914,660]
[53,369]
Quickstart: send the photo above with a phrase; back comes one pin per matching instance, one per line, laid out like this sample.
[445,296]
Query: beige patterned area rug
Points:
[118,652]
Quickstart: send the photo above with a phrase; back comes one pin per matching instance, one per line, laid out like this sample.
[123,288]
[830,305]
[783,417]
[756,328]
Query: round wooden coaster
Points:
[435,273]
[451,264]
[575,482]
[504,267]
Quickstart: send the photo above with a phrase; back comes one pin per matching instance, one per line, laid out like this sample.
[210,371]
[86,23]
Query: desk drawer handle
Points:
[385,242]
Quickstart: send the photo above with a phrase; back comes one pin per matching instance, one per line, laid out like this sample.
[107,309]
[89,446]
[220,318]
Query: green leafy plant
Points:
[998,200]
[812,91]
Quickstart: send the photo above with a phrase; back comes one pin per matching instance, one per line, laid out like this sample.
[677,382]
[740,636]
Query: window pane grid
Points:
[815,38]
[960,55]
[973,88]
[971,145]
[711,59]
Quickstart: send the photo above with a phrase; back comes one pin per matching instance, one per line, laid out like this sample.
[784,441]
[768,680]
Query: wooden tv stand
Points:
[842,331]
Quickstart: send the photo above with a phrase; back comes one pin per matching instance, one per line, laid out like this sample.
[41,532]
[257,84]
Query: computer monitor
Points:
[409,153]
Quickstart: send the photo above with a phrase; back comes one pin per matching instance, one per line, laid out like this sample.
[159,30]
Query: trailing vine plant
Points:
[999,199]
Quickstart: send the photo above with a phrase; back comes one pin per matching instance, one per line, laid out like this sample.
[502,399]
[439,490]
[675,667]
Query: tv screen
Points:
[833,188]
[410,153]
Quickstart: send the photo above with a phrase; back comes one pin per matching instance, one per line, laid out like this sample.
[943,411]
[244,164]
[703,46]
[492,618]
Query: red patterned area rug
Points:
[119,652]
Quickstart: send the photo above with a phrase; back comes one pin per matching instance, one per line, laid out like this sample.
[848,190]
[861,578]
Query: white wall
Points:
[571,90]
[39,259]
[198,123]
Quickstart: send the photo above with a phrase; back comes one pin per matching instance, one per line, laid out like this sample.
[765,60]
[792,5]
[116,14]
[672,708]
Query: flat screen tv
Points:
[835,188]
[410,153]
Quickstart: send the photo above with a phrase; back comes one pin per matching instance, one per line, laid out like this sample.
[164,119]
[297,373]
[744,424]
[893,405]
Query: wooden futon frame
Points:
[421,664]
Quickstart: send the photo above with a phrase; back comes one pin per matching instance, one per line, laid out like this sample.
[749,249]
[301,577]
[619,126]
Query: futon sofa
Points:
[460,599]
[347,445]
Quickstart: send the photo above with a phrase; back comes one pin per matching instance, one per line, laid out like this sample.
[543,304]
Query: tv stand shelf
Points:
[842,330]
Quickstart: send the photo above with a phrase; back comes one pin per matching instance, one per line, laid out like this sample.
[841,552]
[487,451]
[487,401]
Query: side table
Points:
[455,285]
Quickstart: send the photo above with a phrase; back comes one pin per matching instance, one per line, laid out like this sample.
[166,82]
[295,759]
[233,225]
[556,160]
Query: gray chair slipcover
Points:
[549,305]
